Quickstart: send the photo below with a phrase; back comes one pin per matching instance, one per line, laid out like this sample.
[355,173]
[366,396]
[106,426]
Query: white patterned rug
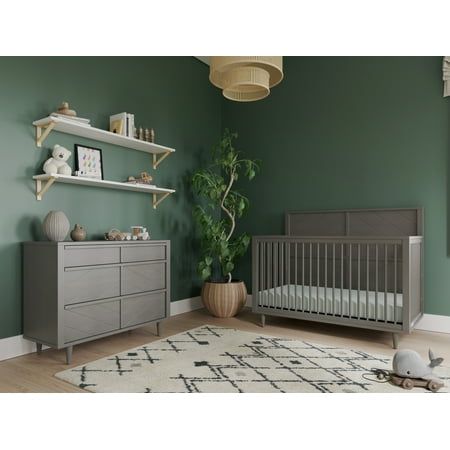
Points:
[215,359]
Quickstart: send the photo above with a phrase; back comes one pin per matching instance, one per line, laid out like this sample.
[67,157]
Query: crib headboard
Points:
[355,222]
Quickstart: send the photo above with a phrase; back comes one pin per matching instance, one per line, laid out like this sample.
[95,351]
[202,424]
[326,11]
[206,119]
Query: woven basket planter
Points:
[224,299]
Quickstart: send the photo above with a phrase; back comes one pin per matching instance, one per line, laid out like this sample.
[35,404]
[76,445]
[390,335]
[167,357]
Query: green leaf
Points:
[208,260]
[205,273]
[228,267]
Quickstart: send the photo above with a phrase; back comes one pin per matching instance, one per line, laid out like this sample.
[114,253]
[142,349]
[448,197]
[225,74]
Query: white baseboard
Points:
[186,305]
[434,323]
[14,346]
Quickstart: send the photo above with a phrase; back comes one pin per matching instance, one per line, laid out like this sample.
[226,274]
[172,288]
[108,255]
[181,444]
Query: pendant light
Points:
[245,78]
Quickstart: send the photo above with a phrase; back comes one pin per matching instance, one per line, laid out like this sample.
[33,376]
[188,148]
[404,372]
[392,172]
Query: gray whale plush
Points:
[408,363]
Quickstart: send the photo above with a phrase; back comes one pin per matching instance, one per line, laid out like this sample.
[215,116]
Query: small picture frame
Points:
[88,162]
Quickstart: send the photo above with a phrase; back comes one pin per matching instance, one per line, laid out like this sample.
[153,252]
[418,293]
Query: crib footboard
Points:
[367,282]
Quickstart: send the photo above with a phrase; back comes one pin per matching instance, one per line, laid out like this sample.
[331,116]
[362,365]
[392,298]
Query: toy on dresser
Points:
[57,163]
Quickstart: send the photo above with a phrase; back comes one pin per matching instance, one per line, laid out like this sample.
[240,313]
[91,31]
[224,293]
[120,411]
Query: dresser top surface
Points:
[84,243]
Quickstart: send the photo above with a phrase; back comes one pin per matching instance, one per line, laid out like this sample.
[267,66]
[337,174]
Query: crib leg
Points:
[394,340]
[263,320]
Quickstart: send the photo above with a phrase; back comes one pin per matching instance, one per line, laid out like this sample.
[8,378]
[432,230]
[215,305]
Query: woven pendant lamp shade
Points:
[246,78]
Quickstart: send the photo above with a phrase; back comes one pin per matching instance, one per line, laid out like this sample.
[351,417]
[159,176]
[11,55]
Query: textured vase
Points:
[78,233]
[56,226]
[224,299]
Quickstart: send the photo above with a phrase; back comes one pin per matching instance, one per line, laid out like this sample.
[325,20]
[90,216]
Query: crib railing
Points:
[354,278]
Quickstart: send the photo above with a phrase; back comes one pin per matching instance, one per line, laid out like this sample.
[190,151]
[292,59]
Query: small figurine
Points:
[408,363]
[152,135]
[57,163]
[78,233]
[147,135]
[144,178]
[64,109]
[410,370]
[141,134]
[115,235]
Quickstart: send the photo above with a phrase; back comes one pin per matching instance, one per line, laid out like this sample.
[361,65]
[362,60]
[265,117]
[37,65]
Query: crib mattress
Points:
[379,306]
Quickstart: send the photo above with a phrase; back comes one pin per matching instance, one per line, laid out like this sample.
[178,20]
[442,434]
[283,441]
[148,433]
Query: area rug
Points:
[216,359]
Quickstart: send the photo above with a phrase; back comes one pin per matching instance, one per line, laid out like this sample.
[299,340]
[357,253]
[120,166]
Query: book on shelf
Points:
[122,123]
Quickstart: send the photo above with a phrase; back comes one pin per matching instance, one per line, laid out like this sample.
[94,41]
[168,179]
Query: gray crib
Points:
[361,268]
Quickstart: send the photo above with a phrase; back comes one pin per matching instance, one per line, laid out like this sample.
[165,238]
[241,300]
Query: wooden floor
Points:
[34,373]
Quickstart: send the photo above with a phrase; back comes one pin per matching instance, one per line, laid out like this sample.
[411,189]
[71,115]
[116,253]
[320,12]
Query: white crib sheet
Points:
[300,298]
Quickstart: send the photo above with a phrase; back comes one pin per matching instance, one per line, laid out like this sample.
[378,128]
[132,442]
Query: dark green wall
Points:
[352,133]
[337,133]
[172,95]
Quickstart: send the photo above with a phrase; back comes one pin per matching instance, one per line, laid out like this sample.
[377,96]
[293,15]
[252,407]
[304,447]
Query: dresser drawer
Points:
[143,277]
[82,285]
[142,252]
[81,322]
[141,309]
[90,256]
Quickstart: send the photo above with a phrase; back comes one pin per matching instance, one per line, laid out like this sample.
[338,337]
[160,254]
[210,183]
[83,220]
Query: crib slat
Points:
[318,271]
[376,282]
[385,281]
[367,281]
[395,283]
[342,280]
[350,281]
[303,276]
[310,274]
[282,276]
[325,296]
[359,281]
[268,246]
[259,281]
[264,271]
[295,278]
[334,276]
[288,274]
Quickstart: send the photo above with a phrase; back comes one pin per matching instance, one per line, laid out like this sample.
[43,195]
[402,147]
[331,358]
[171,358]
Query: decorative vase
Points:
[78,233]
[56,226]
[224,299]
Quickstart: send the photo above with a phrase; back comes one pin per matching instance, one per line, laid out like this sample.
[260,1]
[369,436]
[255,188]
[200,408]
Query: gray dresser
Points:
[78,291]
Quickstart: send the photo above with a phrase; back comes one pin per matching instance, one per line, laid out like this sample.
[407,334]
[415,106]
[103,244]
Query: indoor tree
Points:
[224,205]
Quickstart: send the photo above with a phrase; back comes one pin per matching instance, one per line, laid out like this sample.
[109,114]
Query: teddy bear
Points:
[57,163]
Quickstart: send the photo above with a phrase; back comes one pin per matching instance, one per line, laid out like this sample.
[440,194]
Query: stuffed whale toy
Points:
[408,363]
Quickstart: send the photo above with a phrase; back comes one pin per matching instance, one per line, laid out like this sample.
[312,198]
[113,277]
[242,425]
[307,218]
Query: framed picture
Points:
[88,162]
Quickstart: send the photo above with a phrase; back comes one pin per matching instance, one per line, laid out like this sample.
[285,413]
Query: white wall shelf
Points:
[48,124]
[44,182]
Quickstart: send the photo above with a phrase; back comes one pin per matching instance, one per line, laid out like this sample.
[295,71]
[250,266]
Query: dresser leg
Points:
[263,320]
[69,354]
[38,348]
[158,328]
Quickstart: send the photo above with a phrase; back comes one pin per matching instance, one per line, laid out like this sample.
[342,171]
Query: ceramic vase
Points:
[78,233]
[56,226]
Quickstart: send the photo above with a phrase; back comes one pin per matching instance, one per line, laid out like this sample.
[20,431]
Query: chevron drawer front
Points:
[78,291]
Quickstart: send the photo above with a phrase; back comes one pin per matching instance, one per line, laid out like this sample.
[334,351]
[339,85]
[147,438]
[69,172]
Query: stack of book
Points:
[72,119]
[122,123]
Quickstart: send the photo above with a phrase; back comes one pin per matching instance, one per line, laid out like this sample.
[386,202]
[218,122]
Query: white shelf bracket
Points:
[157,201]
[40,191]
[41,136]
[157,161]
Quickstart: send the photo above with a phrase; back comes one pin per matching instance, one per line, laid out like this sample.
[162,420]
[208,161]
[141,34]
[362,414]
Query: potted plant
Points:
[221,294]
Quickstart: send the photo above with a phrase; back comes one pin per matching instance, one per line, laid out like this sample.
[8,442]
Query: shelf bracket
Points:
[40,191]
[157,161]
[41,136]
[157,201]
